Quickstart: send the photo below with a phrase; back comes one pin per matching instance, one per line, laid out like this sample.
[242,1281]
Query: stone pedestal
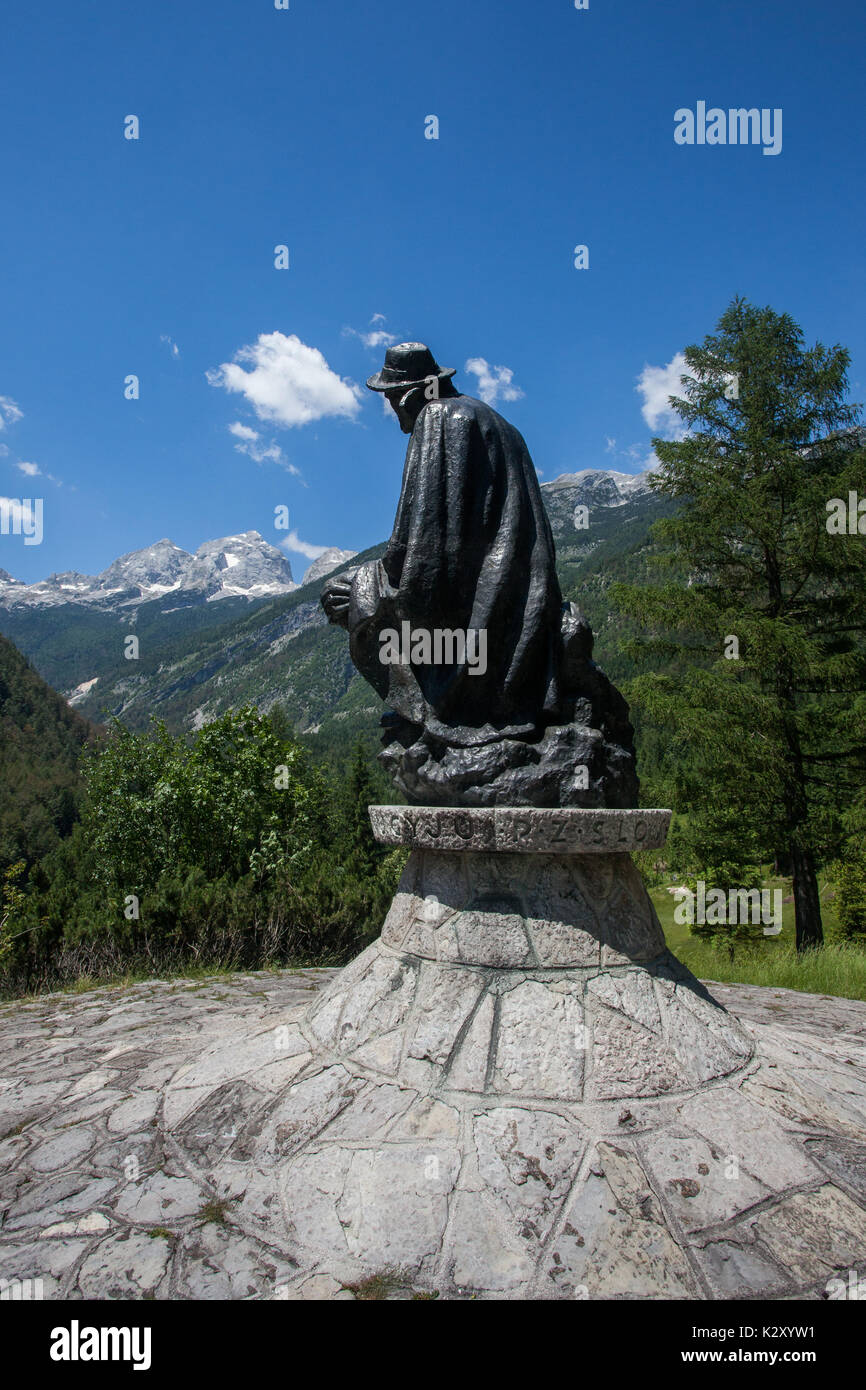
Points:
[542,970]
[474,1080]
[518,1092]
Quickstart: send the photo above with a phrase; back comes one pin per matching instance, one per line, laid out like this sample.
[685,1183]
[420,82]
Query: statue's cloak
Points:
[471,549]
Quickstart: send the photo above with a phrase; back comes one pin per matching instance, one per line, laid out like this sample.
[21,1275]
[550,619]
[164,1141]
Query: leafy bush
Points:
[230,849]
[849,880]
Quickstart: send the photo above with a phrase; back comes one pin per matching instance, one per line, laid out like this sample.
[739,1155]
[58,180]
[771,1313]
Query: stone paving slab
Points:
[155,1141]
[819,1015]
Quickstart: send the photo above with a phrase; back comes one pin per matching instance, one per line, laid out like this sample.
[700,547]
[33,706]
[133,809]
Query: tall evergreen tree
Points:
[360,793]
[766,618]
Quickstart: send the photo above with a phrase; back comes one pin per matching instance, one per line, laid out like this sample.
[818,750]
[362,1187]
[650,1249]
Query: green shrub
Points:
[849,880]
[230,849]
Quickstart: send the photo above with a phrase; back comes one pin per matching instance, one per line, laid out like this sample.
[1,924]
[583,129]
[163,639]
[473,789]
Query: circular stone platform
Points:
[137,1161]
[518,1092]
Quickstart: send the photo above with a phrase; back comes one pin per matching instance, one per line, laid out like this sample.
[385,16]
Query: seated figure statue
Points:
[492,695]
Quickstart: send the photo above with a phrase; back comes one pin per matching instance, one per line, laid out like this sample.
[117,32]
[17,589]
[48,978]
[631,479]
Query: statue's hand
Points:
[335,601]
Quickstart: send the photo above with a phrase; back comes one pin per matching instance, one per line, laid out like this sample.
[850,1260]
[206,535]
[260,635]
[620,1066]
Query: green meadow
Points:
[839,968]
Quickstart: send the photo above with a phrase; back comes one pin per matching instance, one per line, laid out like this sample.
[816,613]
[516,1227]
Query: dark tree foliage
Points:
[764,615]
[41,739]
[360,793]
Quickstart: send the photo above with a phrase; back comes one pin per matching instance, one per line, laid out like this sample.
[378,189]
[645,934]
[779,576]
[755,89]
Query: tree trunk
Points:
[807,901]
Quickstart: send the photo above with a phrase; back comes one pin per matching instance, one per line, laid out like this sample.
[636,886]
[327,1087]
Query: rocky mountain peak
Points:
[603,487]
[156,566]
[329,560]
[244,564]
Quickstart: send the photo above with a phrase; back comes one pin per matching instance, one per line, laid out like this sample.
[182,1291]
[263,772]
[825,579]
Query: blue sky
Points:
[305,127]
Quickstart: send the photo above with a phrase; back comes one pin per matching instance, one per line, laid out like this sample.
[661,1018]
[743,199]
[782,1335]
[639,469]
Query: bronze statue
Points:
[492,695]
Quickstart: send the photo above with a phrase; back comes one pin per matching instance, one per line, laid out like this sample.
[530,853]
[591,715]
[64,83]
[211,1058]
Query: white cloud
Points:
[32,470]
[288,383]
[249,444]
[242,431]
[630,455]
[633,458]
[170,344]
[293,542]
[9,412]
[3,451]
[378,338]
[655,385]
[374,337]
[266,453]
[493,382]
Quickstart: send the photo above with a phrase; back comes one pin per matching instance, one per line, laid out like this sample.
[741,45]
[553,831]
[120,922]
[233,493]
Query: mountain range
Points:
[266,640]
[244,566]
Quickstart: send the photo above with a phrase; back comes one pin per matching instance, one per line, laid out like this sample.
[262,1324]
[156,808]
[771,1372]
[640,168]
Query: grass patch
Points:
[838,968]
[82,985]
[214,1211]
[379,1286]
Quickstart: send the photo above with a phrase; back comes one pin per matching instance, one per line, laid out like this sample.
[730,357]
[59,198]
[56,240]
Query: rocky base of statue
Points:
[585,760]
[570,765]
[517,1092]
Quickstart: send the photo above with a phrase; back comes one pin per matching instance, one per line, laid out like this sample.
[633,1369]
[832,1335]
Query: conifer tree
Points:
[359,795]
[764,610]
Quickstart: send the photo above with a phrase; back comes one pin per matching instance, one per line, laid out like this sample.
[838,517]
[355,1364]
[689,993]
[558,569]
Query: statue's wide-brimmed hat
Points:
[407,365]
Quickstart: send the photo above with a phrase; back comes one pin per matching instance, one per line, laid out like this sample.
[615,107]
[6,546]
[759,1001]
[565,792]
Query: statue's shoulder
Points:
[465,408]
[490,424]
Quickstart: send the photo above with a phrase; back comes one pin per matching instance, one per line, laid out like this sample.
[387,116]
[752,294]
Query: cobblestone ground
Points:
[103,1194]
